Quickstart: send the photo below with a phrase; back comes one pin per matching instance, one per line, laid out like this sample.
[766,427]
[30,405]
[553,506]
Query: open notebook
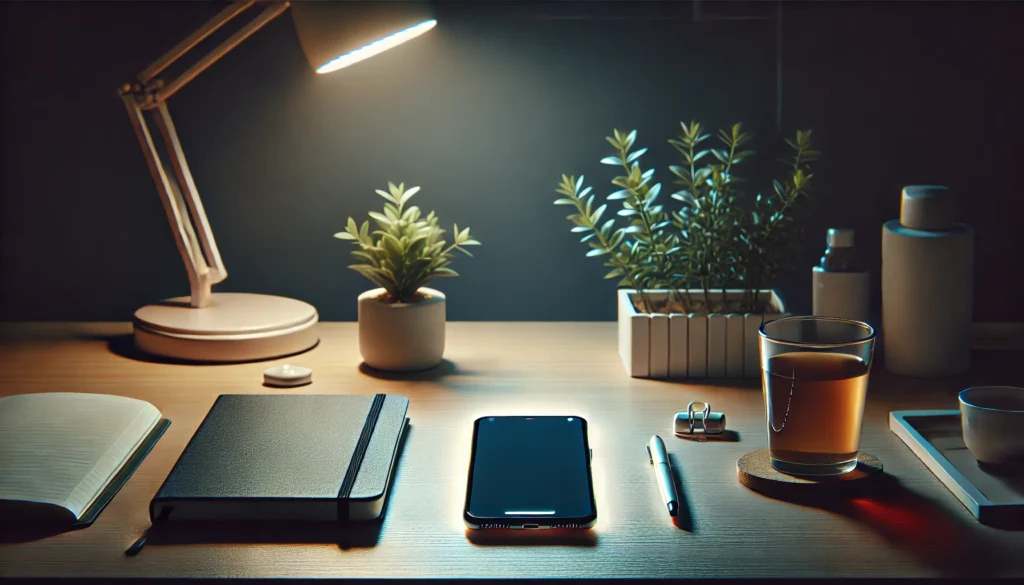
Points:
[63,455]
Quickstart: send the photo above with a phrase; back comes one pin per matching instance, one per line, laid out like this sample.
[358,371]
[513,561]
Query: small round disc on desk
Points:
[755,471]
[287,376]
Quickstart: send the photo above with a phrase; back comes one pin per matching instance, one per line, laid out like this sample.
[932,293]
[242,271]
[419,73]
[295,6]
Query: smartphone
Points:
[530,472]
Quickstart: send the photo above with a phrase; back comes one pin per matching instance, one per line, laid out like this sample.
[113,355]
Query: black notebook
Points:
[270,457]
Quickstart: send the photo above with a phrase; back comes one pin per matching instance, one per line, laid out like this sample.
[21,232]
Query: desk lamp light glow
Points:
[229,327]
[376,47]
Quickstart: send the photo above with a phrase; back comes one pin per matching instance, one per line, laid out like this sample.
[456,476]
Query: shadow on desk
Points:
[345,536]
[683,519]
[555,537]
[124,346]
[441,370]
[28,532]
[919,527]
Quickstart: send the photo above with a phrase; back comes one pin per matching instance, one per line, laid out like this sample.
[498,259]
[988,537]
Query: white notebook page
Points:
[62,448]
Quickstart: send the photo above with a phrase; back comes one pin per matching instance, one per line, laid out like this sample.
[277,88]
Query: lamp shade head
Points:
[338,34]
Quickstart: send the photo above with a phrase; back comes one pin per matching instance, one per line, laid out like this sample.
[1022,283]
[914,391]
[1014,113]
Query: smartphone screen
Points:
[532,467]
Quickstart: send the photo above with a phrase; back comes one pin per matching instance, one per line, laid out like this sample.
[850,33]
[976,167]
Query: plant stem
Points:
[620,264]
[645,216]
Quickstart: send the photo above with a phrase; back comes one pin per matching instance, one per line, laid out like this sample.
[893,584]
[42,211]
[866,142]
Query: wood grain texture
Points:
[726,530]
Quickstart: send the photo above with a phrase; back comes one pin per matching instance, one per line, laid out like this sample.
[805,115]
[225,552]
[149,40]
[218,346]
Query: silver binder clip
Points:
[703,420]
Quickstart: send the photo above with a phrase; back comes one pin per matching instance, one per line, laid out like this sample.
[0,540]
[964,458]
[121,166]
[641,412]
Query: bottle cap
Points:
[840,238]
[927,207]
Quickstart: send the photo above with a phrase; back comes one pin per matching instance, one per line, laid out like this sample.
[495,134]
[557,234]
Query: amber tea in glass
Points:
[815,376]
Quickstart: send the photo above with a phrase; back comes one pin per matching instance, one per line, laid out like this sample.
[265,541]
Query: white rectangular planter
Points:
[691,345]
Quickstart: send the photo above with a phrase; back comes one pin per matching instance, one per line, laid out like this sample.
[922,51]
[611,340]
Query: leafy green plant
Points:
[711,242]
[771,229]
[709,221]
[407,250]
[641,252]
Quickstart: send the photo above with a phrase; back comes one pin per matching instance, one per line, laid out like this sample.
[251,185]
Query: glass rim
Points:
[818,344]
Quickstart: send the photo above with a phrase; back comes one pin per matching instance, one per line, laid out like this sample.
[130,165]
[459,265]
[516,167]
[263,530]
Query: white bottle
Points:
[927,286]
[841,285]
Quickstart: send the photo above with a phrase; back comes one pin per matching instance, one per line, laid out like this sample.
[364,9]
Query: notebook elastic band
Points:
[357,456]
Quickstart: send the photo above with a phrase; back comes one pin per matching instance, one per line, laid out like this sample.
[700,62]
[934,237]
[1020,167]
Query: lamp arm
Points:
[189,246]
[185,212]
[272,11]
[223,17]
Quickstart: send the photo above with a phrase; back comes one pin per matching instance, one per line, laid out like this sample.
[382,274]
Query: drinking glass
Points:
[814,371]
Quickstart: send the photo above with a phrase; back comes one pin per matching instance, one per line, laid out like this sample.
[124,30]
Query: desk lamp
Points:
[225,327]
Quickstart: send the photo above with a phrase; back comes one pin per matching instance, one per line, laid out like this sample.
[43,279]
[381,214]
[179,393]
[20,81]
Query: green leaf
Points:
[344,236]
[387,196]
[652,194]
[611,160]
[384,220]
[636,155]
[445,273]
[597,252]
[405,196]
[619,195]
[613,274]
[564,201]
[684,196]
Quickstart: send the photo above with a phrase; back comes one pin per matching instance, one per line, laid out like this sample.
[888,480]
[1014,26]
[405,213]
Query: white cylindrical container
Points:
[402,337]
[841,287]
[927,286]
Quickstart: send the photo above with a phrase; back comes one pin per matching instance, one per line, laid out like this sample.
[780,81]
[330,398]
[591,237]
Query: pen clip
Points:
[649,455]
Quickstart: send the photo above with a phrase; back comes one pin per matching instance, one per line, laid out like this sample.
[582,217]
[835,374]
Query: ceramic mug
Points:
[993,423]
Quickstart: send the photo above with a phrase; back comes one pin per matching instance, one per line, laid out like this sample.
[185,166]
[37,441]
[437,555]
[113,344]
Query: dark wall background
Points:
[485,113]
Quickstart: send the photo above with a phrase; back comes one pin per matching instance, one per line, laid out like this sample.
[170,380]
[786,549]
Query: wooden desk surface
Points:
[916,528]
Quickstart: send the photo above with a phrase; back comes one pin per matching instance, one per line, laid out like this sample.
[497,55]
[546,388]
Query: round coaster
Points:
[755,471]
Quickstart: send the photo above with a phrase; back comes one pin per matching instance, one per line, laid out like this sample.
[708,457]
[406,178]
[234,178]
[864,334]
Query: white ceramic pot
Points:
[402,337]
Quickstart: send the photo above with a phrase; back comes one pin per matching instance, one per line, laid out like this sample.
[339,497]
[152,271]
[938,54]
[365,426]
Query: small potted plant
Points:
[691,279]
[402,323]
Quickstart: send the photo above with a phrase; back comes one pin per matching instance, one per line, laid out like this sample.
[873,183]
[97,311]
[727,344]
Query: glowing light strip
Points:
[376,47]
[530,513]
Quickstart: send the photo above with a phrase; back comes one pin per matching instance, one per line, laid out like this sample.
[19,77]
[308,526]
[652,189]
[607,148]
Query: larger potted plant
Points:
[692,279]
[402,323]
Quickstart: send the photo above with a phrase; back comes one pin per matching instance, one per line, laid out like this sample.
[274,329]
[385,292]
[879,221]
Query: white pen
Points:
[663,472]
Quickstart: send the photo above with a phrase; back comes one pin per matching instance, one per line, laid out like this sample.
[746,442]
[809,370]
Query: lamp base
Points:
[235,327]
